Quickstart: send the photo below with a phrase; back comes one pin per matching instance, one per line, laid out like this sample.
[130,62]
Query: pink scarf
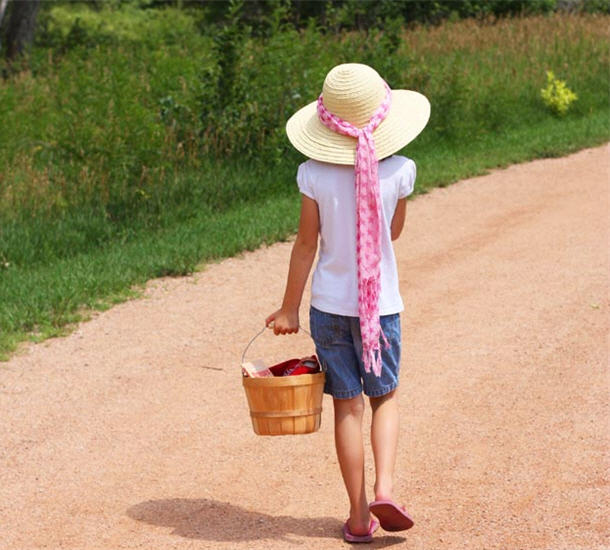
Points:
[368,226]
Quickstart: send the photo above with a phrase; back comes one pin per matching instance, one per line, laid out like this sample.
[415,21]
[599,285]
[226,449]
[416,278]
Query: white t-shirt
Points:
[334,287]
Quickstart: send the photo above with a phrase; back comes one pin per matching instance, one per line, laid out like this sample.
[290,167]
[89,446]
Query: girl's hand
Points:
[284,322]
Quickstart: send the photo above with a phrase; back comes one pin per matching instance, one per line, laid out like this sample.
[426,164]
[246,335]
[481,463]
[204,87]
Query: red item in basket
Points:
[292,367]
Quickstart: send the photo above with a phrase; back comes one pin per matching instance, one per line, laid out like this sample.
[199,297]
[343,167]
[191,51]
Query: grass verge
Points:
[44,300]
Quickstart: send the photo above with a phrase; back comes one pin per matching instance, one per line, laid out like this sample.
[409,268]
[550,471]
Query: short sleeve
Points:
[304,181]
[407,179]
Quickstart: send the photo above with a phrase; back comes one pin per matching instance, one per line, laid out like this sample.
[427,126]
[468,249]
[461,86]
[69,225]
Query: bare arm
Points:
[398,220]
[286,319]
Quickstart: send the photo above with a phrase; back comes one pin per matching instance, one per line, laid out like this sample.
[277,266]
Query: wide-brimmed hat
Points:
[353,92]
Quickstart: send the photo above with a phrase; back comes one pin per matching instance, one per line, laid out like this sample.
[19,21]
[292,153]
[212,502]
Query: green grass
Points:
[552,138]
[119,161]
[50,295]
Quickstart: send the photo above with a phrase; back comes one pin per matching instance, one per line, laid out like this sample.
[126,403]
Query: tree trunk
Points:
[20,28]
[3,4]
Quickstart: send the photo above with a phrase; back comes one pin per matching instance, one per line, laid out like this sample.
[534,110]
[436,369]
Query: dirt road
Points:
[133,432]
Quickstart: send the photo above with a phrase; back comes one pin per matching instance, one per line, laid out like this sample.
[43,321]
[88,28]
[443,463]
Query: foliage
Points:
[113,123]
[556,95]
[337,15]
[63,26]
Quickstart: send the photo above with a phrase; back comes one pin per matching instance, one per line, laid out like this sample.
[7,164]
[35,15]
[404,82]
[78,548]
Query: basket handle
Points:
[243,355]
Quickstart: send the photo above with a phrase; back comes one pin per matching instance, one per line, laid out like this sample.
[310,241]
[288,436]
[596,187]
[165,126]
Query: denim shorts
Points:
[339,349]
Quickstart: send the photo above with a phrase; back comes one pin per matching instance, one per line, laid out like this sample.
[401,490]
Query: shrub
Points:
[556,95]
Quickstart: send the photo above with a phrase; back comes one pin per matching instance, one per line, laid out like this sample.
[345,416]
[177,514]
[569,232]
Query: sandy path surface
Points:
[133,432]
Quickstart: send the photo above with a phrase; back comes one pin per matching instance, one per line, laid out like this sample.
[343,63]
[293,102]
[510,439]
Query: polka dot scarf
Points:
[368,226]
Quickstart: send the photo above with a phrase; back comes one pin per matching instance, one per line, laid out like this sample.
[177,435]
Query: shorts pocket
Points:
[390,324]
[326,328]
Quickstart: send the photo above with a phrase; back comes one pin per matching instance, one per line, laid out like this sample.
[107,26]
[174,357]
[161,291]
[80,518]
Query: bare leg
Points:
[350,452]
[384,440]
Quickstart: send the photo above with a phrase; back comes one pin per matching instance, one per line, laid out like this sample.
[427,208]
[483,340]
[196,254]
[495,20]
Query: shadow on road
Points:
[223,522]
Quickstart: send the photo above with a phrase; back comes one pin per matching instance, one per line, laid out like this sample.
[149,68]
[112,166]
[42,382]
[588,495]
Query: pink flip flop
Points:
[349,537]
[391,516]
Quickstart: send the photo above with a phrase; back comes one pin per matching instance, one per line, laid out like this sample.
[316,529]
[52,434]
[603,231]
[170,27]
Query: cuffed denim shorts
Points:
[339,349]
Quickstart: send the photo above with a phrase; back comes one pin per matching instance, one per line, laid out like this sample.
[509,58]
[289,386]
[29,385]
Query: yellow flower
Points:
[557,96]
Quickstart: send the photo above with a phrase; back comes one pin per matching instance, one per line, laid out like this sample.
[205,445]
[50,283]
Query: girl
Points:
[356,204]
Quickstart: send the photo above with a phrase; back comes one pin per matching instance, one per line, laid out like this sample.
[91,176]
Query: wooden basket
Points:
[285,405]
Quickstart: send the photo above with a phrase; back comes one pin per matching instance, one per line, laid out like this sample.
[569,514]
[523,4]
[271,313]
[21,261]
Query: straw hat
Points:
[353,92]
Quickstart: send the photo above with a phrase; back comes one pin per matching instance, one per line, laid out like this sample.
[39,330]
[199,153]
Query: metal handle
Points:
[243,355]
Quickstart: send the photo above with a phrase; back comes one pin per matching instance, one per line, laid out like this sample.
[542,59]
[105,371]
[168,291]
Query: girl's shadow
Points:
[223,522]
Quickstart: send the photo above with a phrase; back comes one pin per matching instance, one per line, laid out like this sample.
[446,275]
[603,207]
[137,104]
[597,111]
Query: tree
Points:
[20,27]
[3,4]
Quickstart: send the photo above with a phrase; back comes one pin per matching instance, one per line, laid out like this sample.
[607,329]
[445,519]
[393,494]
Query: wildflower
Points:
[557,96]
